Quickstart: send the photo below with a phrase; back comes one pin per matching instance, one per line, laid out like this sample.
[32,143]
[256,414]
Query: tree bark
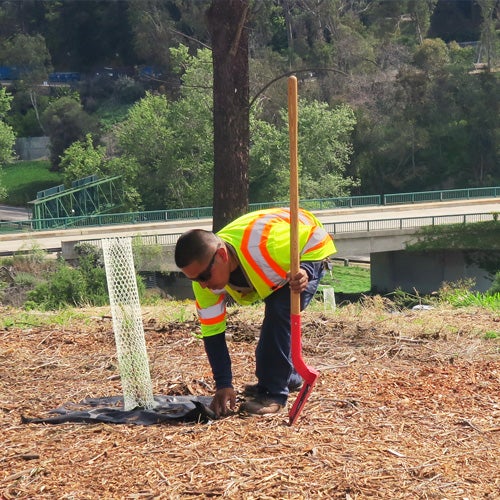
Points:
[227,25]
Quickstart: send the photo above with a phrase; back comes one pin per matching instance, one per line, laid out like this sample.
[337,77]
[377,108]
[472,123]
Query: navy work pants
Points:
[273,362]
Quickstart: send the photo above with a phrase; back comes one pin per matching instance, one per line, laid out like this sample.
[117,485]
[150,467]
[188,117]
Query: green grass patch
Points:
[467,298]
[20,318]
[492,335]
[23,179]
[350,279]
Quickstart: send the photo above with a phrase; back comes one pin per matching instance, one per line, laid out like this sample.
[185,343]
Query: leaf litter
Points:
[407,406]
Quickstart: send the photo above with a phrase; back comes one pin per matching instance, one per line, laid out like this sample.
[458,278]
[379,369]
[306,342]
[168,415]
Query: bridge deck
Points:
[354,224]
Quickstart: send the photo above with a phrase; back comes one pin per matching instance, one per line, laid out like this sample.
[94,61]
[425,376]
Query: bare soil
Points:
[407,406]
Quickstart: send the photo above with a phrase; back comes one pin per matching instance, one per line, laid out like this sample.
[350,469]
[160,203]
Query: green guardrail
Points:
[325,203]
[451,194]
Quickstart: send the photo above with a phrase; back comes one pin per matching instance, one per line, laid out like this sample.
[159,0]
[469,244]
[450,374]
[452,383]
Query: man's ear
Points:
[225,253]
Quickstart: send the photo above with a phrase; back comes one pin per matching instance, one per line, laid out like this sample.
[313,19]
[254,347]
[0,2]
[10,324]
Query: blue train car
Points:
[64,77]
[9,73]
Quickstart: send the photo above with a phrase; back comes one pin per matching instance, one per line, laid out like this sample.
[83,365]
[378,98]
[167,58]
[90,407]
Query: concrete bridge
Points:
[378,234]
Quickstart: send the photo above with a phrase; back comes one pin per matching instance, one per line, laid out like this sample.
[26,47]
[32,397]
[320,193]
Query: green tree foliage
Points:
[86,36]
[30,56]
[83,158]
[158,25]
[84,285]
[405,21]
[7,136]
[65,121]
[169,142]
[489,38]
[324,152]
[424,118]
[435,127]
[147,144]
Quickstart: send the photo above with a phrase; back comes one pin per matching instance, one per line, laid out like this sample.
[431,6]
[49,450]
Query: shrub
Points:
[495,286]
[65,287]
[84,285]
[80,286]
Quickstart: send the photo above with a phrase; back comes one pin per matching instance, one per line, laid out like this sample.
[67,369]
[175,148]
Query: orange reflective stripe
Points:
[306,218]
[213,321]
[212,314]
[265,253]
[245,244]
[314,242]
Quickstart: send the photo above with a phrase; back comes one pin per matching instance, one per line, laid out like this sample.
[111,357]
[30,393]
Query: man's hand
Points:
[298,283]
[223,401]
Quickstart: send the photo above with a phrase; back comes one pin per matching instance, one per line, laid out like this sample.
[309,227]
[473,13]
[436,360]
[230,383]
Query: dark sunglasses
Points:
[205,275]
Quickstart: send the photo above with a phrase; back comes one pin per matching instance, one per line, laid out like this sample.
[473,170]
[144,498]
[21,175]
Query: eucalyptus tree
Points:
[157,26]
[29,55]
[436,127]
[65,121]
[7,137]
[490,41]
[228,26]
[167,145]
[324,153]
[87,35]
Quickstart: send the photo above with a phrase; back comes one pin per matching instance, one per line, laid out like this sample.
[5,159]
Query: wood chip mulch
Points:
[407,407]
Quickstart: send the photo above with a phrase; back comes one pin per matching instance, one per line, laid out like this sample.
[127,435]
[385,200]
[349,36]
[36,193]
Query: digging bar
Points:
[309,375]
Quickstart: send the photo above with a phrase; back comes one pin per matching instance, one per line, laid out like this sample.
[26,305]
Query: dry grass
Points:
[407,406]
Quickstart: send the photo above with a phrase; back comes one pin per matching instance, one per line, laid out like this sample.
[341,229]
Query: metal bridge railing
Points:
[448,195]
[335,228]
[206,212]
[404,223]
[325,203]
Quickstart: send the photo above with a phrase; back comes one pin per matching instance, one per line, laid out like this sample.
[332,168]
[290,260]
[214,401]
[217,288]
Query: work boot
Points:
[253,391]
[256,390]
[261,406]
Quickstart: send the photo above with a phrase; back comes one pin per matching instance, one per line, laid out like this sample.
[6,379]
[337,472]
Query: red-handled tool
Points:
[310,375]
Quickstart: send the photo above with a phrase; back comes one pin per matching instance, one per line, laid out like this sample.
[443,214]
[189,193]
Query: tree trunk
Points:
[227,24]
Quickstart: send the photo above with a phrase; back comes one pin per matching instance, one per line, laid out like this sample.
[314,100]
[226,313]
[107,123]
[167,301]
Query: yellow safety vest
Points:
[261,240]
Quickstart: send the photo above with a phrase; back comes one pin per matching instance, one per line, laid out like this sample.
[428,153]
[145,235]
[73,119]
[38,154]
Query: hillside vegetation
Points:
[391,97]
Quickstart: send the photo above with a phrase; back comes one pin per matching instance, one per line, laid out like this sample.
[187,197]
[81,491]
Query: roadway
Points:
[52,240]
[8,213]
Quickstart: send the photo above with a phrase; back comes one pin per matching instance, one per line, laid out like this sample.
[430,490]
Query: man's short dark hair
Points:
[194,245]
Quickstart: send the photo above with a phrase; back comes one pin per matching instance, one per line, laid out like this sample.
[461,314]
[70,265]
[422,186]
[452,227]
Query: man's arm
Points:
[220,361]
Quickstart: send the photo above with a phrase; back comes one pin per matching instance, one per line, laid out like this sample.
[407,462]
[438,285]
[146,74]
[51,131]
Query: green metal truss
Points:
[89,196]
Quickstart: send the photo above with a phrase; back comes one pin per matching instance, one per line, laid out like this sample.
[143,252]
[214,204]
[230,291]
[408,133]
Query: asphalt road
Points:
[13,213]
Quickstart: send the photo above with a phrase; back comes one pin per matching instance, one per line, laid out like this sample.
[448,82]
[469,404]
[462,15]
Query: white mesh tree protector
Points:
[132,356]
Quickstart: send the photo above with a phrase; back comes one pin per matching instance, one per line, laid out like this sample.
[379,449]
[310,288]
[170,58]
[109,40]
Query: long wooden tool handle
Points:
[309,375]
[294,187]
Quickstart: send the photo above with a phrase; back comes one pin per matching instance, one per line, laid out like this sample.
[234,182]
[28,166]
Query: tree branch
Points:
[289,73]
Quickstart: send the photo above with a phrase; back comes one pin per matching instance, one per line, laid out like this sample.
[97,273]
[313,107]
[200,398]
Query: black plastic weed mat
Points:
[168,410]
